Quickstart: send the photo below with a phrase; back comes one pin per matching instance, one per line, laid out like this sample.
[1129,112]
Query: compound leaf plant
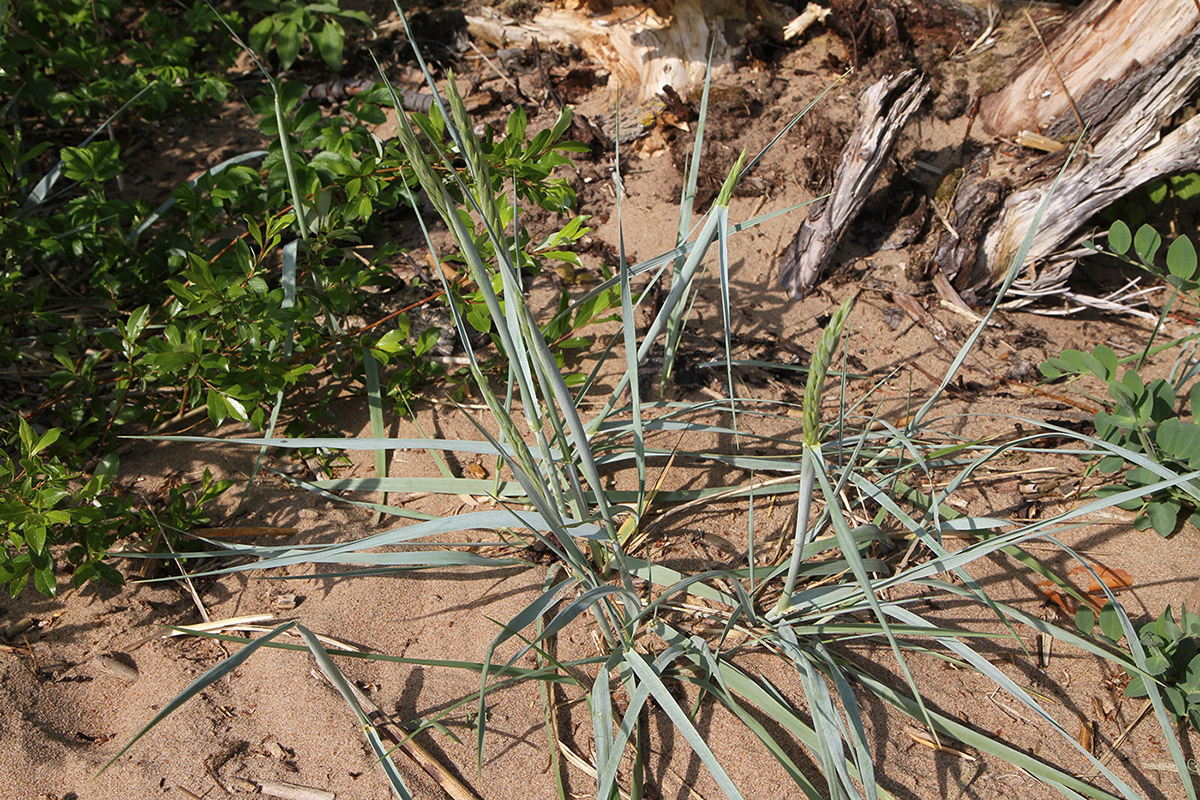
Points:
[1154,419]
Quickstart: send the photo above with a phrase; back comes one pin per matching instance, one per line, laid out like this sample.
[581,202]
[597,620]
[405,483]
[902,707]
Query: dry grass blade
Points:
[218,625]
[450,784]
[1120,740]
[923,740]
[580,763]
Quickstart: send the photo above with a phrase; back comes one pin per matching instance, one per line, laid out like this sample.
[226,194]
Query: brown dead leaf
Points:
[1065,602]
[1114,579]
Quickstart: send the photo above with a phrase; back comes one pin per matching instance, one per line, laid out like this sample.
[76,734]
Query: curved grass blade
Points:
[335,677]
[201,683]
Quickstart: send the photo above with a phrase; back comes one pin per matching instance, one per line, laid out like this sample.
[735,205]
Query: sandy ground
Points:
[93,668]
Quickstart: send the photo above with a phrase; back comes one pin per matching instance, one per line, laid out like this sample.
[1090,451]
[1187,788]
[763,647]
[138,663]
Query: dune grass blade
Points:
[726,314]
[986,668]
[213,674]
[850,551]
[526,617]
[40,192]
[1184,768]
[608,757]
[629,332]
[825,722]
[767,700]
[285,139]
[982,741]
[559,400]
[707,235]
[857,735]
[666,701]
[545,656]
[375,411]
[675,321]
[335,677]
[811,444]
[1013,271]
[287,281]
[166,205]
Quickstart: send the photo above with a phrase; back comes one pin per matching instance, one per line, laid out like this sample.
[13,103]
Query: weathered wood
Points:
[1125,147]
[1096,51]
[884,109]
[644,46]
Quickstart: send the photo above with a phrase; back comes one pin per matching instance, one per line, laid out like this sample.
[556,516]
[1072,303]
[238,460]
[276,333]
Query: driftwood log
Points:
[1123,69]
[884,109]
[645,47]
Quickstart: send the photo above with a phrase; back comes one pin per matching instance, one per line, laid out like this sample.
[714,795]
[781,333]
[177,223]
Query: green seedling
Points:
[1145,418]
[1172,652]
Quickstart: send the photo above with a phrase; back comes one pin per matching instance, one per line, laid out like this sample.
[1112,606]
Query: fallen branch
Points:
[884,109]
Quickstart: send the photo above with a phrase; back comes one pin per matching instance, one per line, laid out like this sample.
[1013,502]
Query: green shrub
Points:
[223,298]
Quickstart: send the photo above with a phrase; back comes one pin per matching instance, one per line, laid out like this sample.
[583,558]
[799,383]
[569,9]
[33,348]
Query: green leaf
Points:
[1191,678]
[1119,238]
[1108,358]
[137,323]
[45,440]
[216,407]
[109,574]
[1085,619]
[26,435]
[1164,515]
[1186,186]
[329,43]
[517,122]
[391,341]
[1110,623]
[44,581]
[106,470]
[1181,258]
[1146,244]
[1102,369]
[262,33]
[1157,664]
[35,535]
[236,408]
[287,44]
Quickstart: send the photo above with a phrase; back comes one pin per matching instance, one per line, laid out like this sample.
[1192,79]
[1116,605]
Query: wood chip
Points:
[290,791]
[1035,141]
[116,667]
[17,628]
[285,601]
[1087,735]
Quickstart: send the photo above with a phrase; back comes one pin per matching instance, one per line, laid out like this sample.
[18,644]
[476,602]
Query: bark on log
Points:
[1127,103]
[884,108]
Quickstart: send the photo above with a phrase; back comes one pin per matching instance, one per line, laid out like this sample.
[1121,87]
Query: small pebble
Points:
[287,600]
